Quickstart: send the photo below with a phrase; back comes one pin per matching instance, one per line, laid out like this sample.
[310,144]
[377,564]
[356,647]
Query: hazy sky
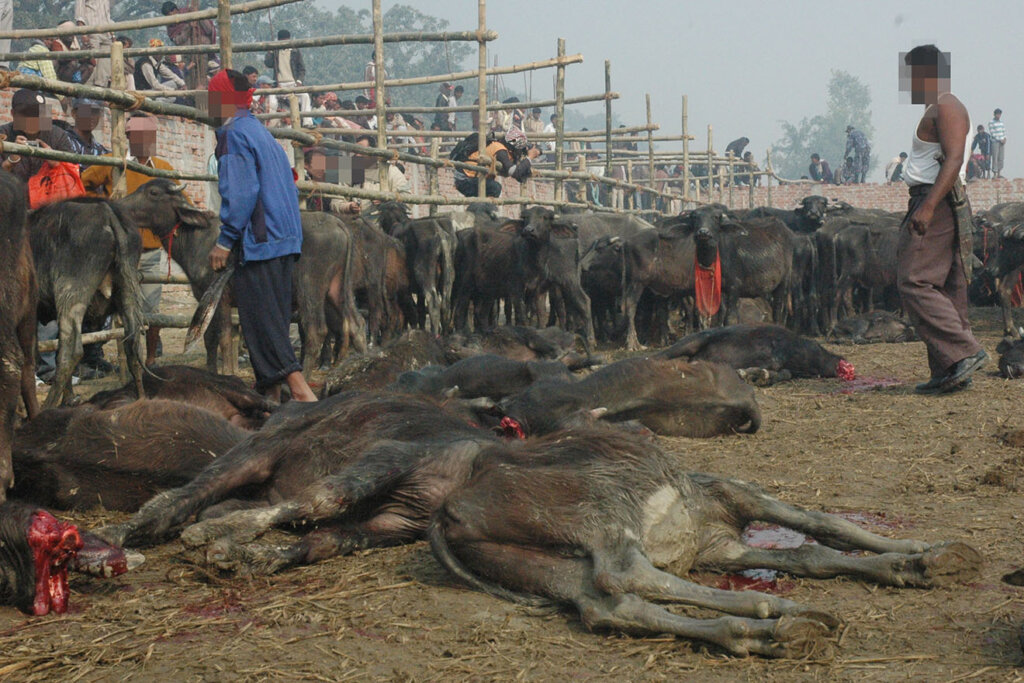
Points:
[747,64]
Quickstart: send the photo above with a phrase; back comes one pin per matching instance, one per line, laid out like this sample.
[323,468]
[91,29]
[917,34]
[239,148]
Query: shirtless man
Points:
[930,271]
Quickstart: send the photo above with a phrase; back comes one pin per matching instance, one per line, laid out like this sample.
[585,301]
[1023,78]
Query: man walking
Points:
[259,214]
[930,269]
[997,133]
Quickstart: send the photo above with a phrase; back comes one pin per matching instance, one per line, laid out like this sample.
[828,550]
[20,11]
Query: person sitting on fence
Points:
[508,157]
[128,64]
[252,74]
[453,101]
[99,181]
[71,70]
[87,114]
[39,67]
[397,182]
[202,32]
[819,170]
[154,73]
[748,177]
[442,101]
[533,124]
[736,147]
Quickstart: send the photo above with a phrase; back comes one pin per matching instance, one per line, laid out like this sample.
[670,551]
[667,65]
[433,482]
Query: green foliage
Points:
[848,103]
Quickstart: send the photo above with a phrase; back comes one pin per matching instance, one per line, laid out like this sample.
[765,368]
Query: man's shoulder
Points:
[161,164]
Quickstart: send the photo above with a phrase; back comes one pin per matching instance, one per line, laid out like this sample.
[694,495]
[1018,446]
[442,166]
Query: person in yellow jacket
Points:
[509,157]
[99,182]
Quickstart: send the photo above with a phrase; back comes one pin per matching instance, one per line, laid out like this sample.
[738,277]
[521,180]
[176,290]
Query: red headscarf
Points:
[222,84]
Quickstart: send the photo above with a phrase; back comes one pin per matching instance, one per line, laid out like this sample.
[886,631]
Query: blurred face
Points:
[142,137]
[317,167]
[87,117]
[31,125]
[215,106]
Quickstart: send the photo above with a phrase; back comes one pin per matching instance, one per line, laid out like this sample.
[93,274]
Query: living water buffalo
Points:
[1009,266]
[321,288]
[872,328]
[804,285]
[17,319]
[36,552]
[768,347]
[608,523]
[516,258]
[224,395]
[485,375]
[86,255]
[755,257]
[380,279]
[376,486]
[669,397]
[430,259]
[806,218]
[78,458]
[379,367]
[866,258]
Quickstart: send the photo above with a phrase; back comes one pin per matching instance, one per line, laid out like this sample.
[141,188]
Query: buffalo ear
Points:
[565,230]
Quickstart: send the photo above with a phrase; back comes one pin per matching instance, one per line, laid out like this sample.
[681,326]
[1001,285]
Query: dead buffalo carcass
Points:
[377,486]
[778,352]
[608,523]
[224,395]
[522,343]
[485,375]
[379,367]
[87,257]
[78,458]
[1011,358]
[669,397]
[17,318]
[36,551]
[873,328]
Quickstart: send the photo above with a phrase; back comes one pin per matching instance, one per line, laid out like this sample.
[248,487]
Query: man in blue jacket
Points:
[259,213]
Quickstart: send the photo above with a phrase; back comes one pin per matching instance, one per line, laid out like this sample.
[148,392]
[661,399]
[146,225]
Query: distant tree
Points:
[848,103]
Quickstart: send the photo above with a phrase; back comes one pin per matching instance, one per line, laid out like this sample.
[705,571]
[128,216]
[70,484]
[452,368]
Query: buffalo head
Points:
[160,205]
[812,209]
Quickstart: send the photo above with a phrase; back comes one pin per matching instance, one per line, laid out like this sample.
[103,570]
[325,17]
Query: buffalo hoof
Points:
[248,559]
[804,637]
[951,563]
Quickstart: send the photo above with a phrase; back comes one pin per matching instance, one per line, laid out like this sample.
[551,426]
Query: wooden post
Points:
[224,33]
[300,160]
[750,189]
[433,185]
[732,175]
[118,138]
[631,204]
[768,178]
[650,150]
[710,163]
[560,121]
[686,153]
[481,88]
[607,120]
[378,72]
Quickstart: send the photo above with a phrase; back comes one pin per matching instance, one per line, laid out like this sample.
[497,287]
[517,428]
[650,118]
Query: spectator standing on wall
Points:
[370,74]
[154,73]
[128,64]
[533,124]
[858,143]
[549,146]
[997,131]
[983,143]
[894,169]
[39,67]
[289,71]
[453,101]
[736,147]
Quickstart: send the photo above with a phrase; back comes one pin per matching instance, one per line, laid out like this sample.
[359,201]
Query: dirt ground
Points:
[933,468]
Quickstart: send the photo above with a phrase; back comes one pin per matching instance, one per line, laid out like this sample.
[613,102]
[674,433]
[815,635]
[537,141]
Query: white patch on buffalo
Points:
[668,534]
[107,286]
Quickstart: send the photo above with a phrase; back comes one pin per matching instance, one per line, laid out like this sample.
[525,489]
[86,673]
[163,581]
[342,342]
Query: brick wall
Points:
[891,197]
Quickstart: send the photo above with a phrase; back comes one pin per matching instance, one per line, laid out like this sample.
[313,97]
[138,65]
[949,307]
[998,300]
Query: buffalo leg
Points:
[570,580]
[27,344]
[578,304]
[327,498]
[630,299]
[68,354]
[1004,287]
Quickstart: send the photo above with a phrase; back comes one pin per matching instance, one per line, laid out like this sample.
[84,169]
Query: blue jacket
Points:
[259,202]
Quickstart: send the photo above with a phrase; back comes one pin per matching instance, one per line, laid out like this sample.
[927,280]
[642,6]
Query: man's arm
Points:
[952,123]
[239,190]
[298,68]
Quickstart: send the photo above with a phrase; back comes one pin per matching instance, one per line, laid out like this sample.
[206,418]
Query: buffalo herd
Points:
[464,403]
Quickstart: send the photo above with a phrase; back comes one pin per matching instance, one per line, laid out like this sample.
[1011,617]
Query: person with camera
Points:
[509,156]
[31,126]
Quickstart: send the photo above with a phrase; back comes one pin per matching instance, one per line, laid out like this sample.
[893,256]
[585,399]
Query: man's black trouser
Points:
[263,294]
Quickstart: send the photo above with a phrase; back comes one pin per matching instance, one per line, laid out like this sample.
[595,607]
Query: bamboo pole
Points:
[300,160]
[686,152]
[629,199]
[481,86]
[710,163]
[732,175]
[433,182]
[59,155]
[768,168]
[650,144]
[398,82]
[750,189]
[560,120]
[136,24]
[607,119]
[378,85]
[224,31]
[493,106]
[118,137]
[568,135]
[114,97]
[321,41]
